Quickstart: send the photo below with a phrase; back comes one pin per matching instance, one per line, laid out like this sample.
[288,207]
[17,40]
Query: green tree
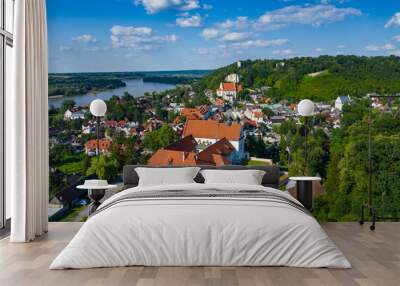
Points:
[105,168]
[67,104]
[160,138]
[268,112]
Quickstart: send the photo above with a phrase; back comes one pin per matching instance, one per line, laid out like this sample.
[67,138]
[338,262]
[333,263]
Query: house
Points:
[184,153]
[74,113]
[255,115]
[191,113]
[87,129]
[219,102]
[342,100]
[218,154]
[277,119]
[186,144]
[208,132]
[233,77]
[104,147]
[205,111]
[229,90]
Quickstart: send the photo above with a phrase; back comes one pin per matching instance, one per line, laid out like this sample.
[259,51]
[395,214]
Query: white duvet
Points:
[200,232]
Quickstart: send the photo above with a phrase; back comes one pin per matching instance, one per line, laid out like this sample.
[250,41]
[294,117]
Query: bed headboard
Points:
[271,177]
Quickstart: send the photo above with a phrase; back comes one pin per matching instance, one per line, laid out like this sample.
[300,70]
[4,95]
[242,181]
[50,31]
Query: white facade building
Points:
[342,100]
[73,115]
[233,77]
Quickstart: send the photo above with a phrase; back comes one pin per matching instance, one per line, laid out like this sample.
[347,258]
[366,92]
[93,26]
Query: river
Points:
[135,87]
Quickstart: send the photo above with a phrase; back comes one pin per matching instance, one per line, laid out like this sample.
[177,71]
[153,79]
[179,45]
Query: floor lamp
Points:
[306,109]
[304,184]
[98,109]
[370,206]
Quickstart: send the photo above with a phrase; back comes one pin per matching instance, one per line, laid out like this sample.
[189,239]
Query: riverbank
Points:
[135,87]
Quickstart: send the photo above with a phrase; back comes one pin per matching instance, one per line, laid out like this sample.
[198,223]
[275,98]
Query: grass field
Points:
[257,163]
[73,214]
[71,168]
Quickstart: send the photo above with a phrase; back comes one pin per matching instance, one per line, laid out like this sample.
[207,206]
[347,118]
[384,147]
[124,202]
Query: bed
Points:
[201,224]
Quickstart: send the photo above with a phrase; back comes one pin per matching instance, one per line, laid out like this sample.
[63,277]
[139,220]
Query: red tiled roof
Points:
[191,113]
[212,129]
[165,157]
[186,144]
[111,123]
[104,144]
[122,123]
[258,114]
[219,102]
[217,152]
[177,120]
[219,160]
[252,123]
[231,86]
[203,109]
[215,155]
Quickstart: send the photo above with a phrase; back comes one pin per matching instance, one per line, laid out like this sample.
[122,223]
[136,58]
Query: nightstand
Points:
[96,191]
[304,186]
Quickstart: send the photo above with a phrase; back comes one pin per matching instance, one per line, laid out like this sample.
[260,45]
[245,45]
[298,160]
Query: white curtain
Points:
[27,123]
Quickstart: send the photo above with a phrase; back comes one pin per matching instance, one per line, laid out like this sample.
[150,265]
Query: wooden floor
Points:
[375,257]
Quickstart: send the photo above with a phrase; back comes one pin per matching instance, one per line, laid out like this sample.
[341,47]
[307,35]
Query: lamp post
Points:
[305,109]
[304,184]
[98,109]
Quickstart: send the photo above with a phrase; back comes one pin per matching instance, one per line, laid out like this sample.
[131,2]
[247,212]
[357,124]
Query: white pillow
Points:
[245,177]
[166,176]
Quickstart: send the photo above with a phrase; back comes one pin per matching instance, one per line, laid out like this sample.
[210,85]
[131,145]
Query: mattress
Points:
[201,225]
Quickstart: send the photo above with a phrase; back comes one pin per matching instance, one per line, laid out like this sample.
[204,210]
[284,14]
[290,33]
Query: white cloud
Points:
[203,51]
[189,21]
[138,38]
[318,50]
[285,52]
[235,36]
[85,38]
[396,38]
[374,48]
[131,31]
[210,33]
[254,44]
[96,49]
[314,15]
[223,28]
[394,21]
[155,6]
[64,49]
[241,22]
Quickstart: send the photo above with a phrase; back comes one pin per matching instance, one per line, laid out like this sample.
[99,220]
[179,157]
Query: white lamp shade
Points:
[98,107]
[305,107]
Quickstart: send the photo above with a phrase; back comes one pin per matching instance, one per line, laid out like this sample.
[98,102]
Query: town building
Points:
[233,77]
[74,113]
[229,91]
[202,112]
[208,132]
[255,115]
[184,153]
[341,101]
[104,147]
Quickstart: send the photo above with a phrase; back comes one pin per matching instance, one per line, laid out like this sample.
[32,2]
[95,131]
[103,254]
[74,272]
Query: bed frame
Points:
[270,179]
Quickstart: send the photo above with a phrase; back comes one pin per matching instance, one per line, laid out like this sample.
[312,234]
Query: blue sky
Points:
[142,35]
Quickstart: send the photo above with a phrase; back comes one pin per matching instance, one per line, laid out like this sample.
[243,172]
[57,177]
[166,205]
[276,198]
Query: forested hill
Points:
[322,78]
